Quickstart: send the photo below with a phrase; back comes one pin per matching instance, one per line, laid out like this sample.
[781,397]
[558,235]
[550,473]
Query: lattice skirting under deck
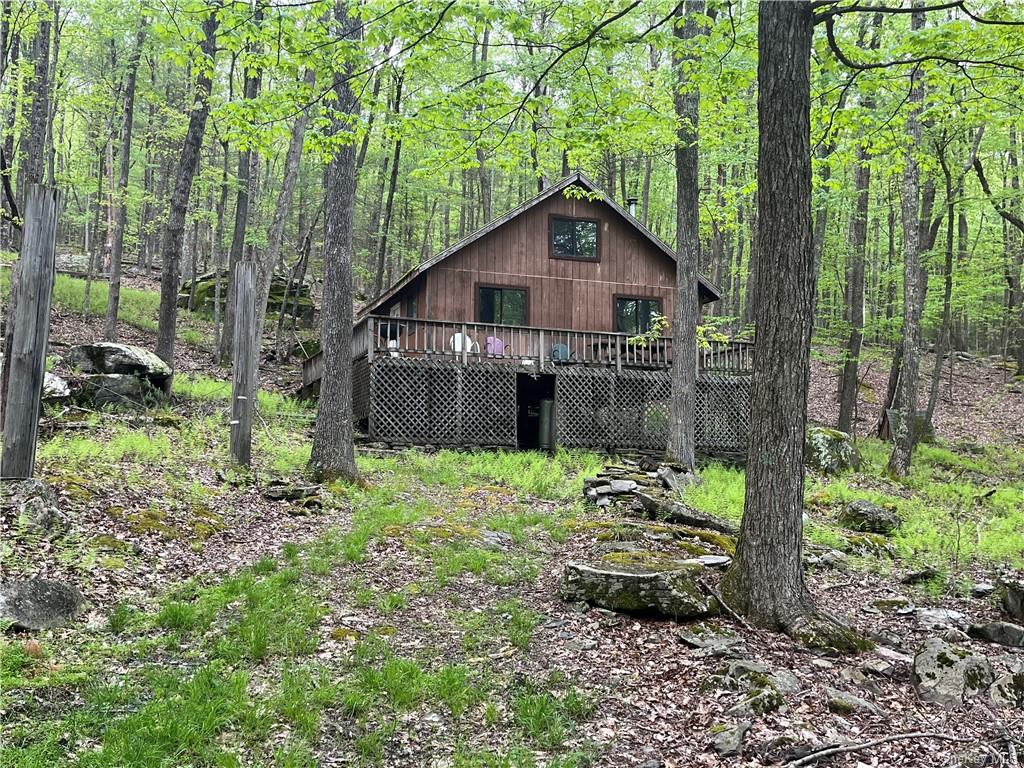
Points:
[437,402]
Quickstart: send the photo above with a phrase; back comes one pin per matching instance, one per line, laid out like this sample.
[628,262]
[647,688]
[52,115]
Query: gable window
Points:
[634,315]
[501,306]
[574,238]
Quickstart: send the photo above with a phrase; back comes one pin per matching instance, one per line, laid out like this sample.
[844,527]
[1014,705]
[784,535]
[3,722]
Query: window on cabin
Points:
[635,316]
[502,306]
[574,238]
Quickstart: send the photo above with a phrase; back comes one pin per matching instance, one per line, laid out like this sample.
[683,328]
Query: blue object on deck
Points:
[559,353]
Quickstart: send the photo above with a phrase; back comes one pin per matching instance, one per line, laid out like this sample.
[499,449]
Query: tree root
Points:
[825,634]
[814,757]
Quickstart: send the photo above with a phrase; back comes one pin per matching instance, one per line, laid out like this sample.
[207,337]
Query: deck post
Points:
[618,353]
[371,339]
[464,345]
[27,361]
[540,364]
[246,344]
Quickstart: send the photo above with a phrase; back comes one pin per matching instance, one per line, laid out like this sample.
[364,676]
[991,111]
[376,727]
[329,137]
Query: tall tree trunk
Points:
[855,290]
[382,243]
[333,454]
[284,203]
[766,580]
[481,156]
[942,342]
[687,300]
[905,428]
[188,162]
[124,157]
[247,176]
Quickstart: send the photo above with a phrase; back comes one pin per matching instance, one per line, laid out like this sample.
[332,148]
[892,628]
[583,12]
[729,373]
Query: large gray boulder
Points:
[120,359]
[861,515]
[830,451]
[34,604]
[1001,632]
[948,674]
[116,389]
[670,591]
[1013,599]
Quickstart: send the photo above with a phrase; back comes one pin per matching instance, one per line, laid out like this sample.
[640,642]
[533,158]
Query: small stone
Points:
[859,678]
[862,515]
[877,667]
[34,504]
[785,681]
[1008,690]
[982,589]
[603,501]
[34,604]
[709,561]
[822,663]
[704,637]
[761,702]
[843,703]
[939,617]
[948,674]
[499,541]
[728,742]
[623,486]
[917,577]
[603,490]
[1001,632]
[892,604]
[834,559]
[278,490]
[54,387]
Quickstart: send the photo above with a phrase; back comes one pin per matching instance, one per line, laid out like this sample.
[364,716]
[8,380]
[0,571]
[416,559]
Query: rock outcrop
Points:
[1000,632]
[863,516]
[115,374]
[830,451]
[665,589]
[948,674]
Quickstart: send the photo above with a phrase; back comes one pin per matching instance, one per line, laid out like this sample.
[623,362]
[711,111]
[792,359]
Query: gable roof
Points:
[578,179]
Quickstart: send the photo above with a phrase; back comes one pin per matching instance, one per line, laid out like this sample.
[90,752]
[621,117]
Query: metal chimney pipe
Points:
[631,205]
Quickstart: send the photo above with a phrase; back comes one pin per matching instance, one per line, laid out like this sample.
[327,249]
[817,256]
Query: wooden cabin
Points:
[535,331]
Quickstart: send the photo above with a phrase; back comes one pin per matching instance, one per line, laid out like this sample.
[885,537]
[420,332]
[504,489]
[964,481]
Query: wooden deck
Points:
[530,348]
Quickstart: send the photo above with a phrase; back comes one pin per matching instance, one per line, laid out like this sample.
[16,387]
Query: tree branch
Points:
[1007,216]
[814,757]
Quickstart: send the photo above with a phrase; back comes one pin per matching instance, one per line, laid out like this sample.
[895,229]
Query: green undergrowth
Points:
[960,504]
[218,670]
[137,308]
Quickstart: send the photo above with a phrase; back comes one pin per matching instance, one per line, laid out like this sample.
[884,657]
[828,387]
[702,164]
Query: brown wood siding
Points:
[564,293]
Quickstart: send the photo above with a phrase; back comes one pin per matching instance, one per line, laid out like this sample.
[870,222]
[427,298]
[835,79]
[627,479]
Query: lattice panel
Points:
[360,389]
[489,410]
[723,411]
[612,410]
[429,402]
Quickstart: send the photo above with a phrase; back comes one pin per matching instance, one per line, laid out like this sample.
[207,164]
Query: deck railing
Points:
[538,347]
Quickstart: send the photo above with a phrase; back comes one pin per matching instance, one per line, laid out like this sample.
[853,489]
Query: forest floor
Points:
[413,619]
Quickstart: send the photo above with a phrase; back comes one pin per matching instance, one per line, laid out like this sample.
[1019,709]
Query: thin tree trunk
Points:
[333,453]
[247,176]
[687,300]
[170,248]
[284,204]
[481,156]
[855,290]
[905,428]
[121,216]
[947,292]
[382,243]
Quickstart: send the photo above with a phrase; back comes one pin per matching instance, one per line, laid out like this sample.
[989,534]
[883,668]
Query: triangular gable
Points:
[579,179]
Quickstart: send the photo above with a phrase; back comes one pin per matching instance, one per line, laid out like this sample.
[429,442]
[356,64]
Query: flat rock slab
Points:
[107,357]
[1001,632]
[948,674]
[673,593]
[34,604]
[673,512]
